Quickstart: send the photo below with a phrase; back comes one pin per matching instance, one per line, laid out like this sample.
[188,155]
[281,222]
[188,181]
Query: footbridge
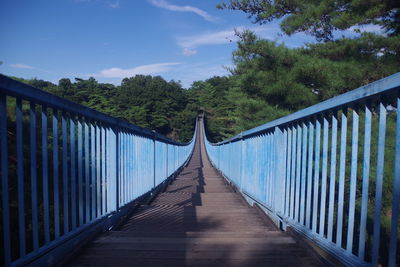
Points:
[318,187]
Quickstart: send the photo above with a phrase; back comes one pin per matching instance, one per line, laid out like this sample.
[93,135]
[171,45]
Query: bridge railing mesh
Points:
[66,168]
[330,171]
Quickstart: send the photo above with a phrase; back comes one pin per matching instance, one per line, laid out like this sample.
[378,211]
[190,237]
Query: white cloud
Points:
[114,5]
[189,73]
[222,37]
[21,66]
[149,69]
[165,5]
[189,52]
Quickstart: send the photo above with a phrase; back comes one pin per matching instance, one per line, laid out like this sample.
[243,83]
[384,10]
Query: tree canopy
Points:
[321,18]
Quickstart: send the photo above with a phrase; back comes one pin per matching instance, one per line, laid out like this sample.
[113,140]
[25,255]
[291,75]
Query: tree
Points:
[321,18]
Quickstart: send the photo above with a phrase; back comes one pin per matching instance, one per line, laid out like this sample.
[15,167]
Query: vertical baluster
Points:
[316,173]
[20,177]
[303,173]
[133,161]
[80,174]
[122,184]
[284,170]
[103,171]
[298,168]
[288,164]
[272,169]
[107,184]
[115,174]
[87,173]
[45,176]
[56,195]
[365,182]
[98,170]
[129,161]
[34,201]
[93,162]
[267,169]
[324,176]
[73,173]
[4,180]
[342,171]
[353,181]
[309,174]
[379,181]
[396,194]
[293,169]
[125,163]
[332,177]
[65,172]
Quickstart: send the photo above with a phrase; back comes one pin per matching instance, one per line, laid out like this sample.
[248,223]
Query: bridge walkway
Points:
[197,221]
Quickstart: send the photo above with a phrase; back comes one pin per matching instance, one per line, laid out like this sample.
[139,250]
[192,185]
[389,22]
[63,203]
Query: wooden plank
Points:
[199,219]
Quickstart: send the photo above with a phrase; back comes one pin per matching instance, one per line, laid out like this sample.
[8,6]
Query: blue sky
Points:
[112,39]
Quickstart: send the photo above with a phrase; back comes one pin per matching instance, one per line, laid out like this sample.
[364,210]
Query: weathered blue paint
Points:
[80,175]
[293,170]
[87,174]
[323,177]
[379,182]
[20,178]
[342,170]
[72,154]
[297,181]
[45,176]
[56,182]
[282,165]
[365,185]
[353,181]
[34,201]
[396,194]
[316,174]
[309,173]
[65,173]
[332,180]
[303,173]
[289,165]
[106,164]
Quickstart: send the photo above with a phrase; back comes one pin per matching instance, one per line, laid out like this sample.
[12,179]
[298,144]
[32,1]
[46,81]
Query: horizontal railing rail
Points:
[338,186]
[68,171]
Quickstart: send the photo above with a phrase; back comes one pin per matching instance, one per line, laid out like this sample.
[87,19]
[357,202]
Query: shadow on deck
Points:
[197,221]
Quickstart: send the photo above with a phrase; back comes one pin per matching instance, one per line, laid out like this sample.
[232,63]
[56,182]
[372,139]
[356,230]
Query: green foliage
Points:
[149,102]
[321,18]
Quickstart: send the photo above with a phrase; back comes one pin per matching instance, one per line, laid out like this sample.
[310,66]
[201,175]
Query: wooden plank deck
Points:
[198,221]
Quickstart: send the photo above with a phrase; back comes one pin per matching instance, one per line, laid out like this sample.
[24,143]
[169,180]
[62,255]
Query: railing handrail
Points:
[362,93]
[312,170]
[93,169]
[27,92]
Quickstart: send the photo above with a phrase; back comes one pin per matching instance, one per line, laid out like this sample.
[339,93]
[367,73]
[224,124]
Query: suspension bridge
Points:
[318,187]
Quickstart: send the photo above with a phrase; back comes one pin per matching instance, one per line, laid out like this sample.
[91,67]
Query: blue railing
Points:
[68,172]
[336,186]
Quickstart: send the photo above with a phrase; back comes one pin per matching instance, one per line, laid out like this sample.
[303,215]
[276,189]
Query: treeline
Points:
[146,101]
[268,80]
